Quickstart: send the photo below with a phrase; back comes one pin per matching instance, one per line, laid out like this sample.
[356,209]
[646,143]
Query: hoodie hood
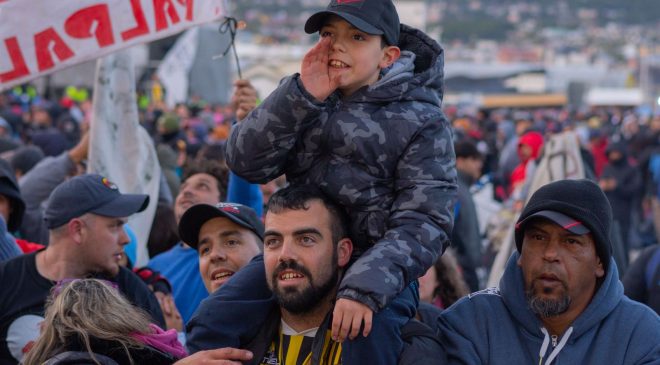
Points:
[618,147]
[416,76]
[9,188]
[606,298]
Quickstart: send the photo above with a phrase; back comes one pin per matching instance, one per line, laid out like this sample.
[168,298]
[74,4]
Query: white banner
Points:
[174,71]
[119,147]
[41,36]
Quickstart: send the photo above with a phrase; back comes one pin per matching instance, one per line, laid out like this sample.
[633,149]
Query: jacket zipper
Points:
[554,340]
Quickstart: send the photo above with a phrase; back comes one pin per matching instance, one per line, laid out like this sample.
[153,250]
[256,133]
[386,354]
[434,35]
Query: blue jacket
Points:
[180,265]
[495,326]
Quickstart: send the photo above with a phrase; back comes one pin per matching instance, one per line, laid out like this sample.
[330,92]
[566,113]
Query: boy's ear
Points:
[390,54]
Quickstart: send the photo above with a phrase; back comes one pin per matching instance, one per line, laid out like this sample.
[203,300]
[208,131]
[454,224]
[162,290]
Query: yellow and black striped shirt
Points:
[296,349]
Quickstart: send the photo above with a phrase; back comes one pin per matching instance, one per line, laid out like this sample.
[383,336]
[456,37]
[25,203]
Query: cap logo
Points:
[229,207]
[109,184]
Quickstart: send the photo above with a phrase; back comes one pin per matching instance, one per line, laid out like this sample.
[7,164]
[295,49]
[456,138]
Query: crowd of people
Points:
[339,220]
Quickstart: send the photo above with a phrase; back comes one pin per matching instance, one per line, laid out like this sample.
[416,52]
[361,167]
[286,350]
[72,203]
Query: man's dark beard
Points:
[546,308]
[301,302]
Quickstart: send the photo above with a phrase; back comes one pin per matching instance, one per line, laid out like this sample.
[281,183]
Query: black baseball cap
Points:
[90,193]
[566,222]
[194,218]
[370,16]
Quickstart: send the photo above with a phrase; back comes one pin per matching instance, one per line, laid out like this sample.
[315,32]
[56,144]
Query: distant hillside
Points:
[625,11]
[281,21]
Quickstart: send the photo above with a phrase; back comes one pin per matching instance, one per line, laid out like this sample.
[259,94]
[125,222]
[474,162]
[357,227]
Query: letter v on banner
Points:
[34,43]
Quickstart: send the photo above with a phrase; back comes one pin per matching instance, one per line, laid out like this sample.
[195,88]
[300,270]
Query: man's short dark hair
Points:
[466,149]
[297,197]
[218,170]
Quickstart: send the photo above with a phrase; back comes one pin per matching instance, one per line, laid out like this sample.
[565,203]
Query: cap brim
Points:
[566,222]
[123,205]
[315,22]
[194,218]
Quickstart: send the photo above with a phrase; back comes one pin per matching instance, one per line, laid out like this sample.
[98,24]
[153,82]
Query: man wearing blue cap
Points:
[560,300]
[85,218]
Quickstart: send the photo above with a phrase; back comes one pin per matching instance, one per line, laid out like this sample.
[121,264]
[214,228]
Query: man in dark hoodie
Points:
[465,237]
[622,184]
[560,297]
[12,208]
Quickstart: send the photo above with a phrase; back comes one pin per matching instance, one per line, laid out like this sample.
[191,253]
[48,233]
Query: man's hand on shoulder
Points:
[314,72]
[347,318]
[223,356]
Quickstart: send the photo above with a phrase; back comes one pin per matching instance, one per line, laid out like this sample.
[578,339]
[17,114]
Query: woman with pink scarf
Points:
[89,321]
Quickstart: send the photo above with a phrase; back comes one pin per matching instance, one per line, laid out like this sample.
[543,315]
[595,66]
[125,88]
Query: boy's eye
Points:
[203,250]
[358,37]
[325,34]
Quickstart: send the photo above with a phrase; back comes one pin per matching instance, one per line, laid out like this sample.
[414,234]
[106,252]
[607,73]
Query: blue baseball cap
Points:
[90,193]
[370,16]
[194,218]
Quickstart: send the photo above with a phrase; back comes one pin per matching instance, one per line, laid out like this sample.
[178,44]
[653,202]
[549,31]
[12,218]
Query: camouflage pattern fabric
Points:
[385,153]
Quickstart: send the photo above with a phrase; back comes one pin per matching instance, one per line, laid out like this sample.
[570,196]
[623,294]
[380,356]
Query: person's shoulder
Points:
[16,263]
[635,311]
[477,301]
[129,282]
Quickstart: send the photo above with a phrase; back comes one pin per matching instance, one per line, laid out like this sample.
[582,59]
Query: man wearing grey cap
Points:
[85,218]
[560,300]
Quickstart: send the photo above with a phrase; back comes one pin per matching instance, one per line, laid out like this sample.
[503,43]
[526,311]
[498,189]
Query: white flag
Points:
[173,72]
[120,148]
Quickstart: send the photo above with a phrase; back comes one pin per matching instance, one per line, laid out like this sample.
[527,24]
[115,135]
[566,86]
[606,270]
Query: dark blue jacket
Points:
[495,326]
[385,153]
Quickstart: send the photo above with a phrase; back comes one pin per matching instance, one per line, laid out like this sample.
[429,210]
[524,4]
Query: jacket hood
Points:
[621,148]
[606,298]
[9,188]
[416,76]
[533,140]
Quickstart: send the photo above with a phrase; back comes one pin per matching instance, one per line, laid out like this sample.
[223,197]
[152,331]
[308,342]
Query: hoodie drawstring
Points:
[546,343]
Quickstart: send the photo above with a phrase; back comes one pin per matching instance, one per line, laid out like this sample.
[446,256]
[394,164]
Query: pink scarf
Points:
[165,341]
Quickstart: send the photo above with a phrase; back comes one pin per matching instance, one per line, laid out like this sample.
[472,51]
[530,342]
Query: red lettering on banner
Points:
[189,8]
[141,26]
[20,68]
[160,6]
[93,18]
[42,42]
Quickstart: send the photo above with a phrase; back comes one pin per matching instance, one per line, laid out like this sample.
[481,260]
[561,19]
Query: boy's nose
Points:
[336,44]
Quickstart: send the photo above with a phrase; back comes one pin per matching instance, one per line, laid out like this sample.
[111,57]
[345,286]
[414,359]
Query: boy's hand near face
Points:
[314,72]
[347,319]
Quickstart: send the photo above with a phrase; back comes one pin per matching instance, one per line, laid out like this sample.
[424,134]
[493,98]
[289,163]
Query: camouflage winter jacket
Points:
[385,153]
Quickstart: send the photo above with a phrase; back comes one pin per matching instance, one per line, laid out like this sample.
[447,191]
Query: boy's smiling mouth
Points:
[337,64]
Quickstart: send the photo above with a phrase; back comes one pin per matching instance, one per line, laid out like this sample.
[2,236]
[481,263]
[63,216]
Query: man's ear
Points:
[390,54]
[74,228]
[344,251]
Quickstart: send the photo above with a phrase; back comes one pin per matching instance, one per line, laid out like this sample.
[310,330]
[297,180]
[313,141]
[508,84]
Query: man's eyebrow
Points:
[535,227]
[272,233]
[230,233]
[310,230]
